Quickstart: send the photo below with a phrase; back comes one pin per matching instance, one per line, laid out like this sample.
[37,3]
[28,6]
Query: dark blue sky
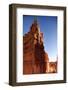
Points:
[48,25]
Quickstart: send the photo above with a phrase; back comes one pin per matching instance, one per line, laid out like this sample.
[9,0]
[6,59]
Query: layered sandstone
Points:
[35,59]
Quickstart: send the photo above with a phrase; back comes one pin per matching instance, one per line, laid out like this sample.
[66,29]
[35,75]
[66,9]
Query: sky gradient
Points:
[48,25]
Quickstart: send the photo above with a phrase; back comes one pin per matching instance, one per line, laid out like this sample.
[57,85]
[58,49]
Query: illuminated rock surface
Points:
[35,59]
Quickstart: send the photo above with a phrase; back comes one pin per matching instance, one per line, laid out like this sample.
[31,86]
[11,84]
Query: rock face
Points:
[52,66]
[35,59]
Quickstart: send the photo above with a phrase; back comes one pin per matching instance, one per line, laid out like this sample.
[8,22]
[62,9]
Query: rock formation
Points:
[35,59]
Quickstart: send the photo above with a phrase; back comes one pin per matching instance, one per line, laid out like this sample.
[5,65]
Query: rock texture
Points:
[35,59]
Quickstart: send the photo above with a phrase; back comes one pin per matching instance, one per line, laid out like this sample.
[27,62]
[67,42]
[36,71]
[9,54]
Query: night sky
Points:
[48,25]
